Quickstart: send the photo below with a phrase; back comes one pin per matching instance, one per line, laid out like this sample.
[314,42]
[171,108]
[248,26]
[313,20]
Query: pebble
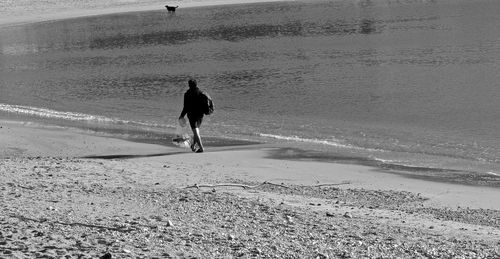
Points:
[348,215]
[102,242]
[157,217]
[169,223]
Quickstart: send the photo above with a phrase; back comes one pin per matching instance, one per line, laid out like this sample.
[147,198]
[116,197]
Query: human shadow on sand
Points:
[129,156]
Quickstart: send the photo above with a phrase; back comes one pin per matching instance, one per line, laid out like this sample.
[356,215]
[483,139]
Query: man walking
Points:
[194,108]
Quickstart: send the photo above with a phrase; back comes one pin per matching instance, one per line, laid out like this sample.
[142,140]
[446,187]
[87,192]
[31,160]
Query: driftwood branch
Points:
[244,186]
[332,184]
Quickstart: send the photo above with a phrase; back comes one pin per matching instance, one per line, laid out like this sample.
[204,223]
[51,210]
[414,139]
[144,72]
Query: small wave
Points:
[69,116]
[19,49]
[332,143]
[383,161]
[492,173]
[299,139]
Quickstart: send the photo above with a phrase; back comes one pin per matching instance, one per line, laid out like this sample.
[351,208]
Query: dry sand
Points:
[25,11]
[132,202]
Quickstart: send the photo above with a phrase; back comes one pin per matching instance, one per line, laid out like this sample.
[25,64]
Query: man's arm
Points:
[184,110]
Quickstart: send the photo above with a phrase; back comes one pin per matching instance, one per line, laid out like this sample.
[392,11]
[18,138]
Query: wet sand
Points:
[149,200]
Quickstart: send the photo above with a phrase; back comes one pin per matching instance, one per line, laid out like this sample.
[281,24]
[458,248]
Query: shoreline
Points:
[56,15]
[431,174]
[26,139]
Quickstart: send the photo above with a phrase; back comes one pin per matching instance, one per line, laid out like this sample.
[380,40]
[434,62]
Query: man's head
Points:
[192,83]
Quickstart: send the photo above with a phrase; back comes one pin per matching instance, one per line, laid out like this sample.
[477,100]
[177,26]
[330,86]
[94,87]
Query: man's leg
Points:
[197,139]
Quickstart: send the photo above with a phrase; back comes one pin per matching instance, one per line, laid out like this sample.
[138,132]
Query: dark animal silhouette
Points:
[171,8]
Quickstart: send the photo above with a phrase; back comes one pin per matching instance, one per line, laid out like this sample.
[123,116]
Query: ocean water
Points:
[410,83]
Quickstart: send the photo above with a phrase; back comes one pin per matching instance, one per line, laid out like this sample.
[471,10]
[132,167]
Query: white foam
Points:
[384,161]
[492,173]
[70,116]
[299,139]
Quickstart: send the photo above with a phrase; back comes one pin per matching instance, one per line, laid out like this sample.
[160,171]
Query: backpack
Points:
[207,104]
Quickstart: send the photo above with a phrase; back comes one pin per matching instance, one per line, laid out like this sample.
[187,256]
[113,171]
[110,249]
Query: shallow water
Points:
[413,83]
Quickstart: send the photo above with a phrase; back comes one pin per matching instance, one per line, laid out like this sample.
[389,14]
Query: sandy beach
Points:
[29,12]
[69,194]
